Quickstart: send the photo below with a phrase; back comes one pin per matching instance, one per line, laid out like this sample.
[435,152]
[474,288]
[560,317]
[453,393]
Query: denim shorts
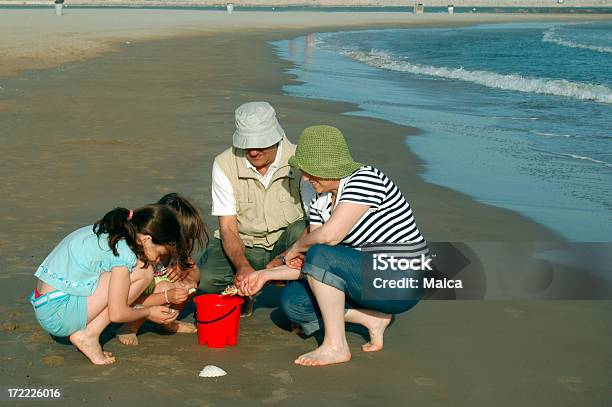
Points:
[59,313]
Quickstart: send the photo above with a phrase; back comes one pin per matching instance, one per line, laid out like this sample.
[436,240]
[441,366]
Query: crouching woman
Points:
[356,208]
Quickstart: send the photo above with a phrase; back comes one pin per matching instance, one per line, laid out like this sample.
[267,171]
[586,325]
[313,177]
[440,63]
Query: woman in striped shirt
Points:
[357,209]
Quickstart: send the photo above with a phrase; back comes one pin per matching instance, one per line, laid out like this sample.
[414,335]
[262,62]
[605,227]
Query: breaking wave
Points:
[557,87]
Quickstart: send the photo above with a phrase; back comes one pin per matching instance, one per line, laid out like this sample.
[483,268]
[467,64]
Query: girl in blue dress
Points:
[95,273]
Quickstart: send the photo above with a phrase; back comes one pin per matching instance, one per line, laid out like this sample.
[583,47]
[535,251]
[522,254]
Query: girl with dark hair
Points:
[95,273]
[173,284]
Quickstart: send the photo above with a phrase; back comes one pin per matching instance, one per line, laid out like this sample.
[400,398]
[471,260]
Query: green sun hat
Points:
[322,152]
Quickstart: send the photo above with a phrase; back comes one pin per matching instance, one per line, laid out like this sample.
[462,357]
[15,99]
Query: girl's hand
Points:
[175,274]
[162,315]
[177,295]
[253,283]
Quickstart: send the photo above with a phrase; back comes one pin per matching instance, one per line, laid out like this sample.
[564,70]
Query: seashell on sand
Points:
[230,290]
[212,371]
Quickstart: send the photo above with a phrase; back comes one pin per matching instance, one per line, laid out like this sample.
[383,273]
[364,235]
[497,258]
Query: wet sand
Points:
[125,127]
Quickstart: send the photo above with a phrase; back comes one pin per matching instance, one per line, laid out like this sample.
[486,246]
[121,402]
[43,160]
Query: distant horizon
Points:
[562,9]
[333,4]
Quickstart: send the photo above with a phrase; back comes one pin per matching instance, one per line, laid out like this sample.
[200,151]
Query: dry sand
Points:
[123,128]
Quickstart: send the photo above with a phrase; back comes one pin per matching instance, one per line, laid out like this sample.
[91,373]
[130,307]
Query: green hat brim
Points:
[329,172]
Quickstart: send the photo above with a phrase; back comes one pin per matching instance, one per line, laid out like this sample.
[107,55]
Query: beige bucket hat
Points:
[257,126]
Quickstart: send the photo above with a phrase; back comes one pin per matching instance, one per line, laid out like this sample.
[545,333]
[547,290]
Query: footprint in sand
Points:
[283,376]
[250,366]
[108,372]
[571,383]
[277,395]
[88,379]
[53,360]
[514,312]
[8,326]
[198,403]
[424,381]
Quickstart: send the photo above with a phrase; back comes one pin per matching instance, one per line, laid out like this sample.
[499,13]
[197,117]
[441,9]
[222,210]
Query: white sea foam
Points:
[515,117]
[579,157]
[544,134]
[552,35]
[557,87]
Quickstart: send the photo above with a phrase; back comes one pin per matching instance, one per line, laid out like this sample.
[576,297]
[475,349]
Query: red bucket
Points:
[218,318]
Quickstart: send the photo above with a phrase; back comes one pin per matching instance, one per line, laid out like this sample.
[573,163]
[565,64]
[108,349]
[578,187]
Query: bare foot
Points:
[90,347]
[126,335]
[179,327]
[376,325]
[325,355]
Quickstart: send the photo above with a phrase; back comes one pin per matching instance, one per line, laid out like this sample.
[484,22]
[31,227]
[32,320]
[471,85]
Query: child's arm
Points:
[169,296]
[119,309]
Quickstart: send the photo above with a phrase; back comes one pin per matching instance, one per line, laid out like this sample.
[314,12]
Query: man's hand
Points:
[275,262]
[242,273]
[296,263]
[293,254]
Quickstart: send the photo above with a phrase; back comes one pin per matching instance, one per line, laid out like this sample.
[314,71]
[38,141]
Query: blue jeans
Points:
[339,267]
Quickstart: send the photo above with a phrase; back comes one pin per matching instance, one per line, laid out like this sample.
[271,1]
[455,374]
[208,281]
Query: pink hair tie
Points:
[130,214]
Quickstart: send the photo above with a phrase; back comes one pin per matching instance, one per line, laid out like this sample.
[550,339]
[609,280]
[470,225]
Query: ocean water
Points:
[515,115]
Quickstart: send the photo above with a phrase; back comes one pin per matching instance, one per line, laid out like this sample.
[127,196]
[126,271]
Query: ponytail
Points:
[117,225]
[157,221]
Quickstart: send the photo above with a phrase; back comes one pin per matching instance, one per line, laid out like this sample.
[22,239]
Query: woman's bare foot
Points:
[126,335]
[325,355]
[90,347]
[376,324]
[179,327]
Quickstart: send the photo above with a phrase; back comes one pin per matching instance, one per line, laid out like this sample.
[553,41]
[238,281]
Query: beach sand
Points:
[101,108]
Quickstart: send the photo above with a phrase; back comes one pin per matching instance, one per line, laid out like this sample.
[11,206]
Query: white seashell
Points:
[212,371]
[230,290]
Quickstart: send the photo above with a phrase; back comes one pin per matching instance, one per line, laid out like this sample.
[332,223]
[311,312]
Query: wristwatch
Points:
[282,258]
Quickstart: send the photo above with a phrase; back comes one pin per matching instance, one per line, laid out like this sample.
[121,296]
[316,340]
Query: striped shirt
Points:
[389,218]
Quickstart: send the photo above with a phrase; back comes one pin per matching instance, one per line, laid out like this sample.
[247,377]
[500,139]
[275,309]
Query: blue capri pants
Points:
[339,267]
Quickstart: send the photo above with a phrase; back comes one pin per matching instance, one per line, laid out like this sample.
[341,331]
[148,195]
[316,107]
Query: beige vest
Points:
[263,213]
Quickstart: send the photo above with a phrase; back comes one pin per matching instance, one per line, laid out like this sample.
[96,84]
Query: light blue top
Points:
[74,266]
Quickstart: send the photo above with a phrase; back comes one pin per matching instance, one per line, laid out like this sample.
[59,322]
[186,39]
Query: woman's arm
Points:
[344,217]
[255,281]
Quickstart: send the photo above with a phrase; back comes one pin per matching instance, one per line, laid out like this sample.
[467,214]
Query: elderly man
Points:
[257,198]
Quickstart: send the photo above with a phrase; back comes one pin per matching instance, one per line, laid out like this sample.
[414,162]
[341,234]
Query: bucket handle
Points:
[213,320]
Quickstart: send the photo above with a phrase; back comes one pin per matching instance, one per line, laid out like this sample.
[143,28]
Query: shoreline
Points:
[126,127]
[46,41]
